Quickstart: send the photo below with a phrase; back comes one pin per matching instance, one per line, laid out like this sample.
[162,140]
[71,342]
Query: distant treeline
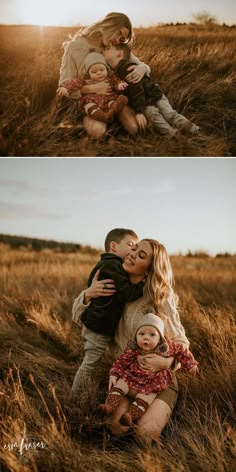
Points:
[19,242]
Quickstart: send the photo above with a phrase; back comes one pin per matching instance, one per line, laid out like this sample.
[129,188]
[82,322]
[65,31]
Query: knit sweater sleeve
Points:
[74,84]
[79,307]
[72,64]
[134,59]
[173,326]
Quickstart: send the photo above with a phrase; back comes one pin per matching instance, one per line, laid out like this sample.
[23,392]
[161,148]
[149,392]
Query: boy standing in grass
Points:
[102,316]
[146,98]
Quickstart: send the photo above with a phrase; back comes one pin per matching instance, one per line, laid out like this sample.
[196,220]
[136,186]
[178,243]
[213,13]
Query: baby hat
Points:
[149,319]
[94,58]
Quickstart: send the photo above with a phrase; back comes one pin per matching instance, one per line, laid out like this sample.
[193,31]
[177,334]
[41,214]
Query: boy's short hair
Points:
[125,48]
[117,235]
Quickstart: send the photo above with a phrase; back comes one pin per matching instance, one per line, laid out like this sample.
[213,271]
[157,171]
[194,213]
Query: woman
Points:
[147,260]
[115,28]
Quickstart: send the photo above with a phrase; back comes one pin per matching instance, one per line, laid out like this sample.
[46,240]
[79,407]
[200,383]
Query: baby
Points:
[99,107]
[146,97]
[127,374]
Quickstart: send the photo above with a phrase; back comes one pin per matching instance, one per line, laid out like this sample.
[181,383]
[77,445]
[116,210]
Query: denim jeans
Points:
[164,117]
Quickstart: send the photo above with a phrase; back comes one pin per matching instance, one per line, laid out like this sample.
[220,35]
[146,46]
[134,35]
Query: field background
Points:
[41,348]
[194,65]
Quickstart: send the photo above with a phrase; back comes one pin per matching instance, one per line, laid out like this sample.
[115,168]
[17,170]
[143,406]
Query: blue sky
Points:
[188,204]
[144,12]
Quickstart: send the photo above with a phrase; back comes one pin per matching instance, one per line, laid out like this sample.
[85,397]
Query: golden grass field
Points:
[195,66]
[41,348]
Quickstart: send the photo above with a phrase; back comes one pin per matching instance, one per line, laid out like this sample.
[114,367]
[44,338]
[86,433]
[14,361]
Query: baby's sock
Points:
[97,114]
[135,411]
[112,402]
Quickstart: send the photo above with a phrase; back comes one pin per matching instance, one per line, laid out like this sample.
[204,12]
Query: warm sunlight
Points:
[43,13]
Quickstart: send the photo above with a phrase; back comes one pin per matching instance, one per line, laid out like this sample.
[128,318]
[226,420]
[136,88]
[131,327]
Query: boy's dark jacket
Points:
[142,94]
[104,313]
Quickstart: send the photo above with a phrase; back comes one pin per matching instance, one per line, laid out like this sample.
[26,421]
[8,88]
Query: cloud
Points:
[164,187]
[10,211]
[17,186]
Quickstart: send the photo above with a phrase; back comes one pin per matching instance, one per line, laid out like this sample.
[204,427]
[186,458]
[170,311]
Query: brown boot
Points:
[112,402]
[97,114]
[135,411]
[119,103]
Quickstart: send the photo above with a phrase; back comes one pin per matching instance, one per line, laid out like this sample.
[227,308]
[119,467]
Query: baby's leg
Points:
[114,398]
[115,106]
[93,110]
[175,119]
[156,119]
[137,408]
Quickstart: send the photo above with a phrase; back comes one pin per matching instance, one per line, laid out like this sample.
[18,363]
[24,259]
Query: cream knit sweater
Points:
[133,311]
[72,65]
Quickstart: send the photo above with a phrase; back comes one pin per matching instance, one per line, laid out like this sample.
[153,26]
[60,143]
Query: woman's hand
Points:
[100,88]
[136,73]
[155,362]
[99,288]
[112,382]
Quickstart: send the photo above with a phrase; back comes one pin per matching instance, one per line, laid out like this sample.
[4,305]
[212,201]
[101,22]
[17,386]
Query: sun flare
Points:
[44,13]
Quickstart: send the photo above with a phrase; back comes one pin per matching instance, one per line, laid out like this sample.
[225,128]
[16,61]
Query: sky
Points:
[187,204]
[141,12]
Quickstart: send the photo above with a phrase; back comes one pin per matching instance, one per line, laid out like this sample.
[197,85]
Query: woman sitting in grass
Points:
[148,260]
[115,28]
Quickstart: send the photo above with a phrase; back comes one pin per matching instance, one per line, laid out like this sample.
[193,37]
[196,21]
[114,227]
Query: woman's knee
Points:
[152,423]
[94,129]
[128,120]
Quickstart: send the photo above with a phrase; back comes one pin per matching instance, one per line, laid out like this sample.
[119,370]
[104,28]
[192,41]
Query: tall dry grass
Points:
[194,67]
[41,348]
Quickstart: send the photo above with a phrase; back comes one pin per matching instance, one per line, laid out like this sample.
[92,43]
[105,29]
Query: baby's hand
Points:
[62,92]
[194,370]
[112,382]
[122,86]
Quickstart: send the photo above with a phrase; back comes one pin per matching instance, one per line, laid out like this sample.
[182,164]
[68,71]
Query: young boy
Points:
[146,98]
[102,316]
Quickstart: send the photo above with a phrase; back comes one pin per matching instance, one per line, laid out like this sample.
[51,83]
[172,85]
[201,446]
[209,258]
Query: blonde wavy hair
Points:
[160,279]
[112,23]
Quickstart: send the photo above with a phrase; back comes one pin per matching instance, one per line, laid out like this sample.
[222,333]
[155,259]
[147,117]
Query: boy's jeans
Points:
[94,347]
[165,118]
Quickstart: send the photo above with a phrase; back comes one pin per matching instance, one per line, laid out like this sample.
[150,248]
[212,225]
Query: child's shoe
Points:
[119,103]
[105,409]
[135,411]
[126,419]
[190,129]
[112,402]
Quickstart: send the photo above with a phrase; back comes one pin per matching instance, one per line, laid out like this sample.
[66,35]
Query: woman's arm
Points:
[100,88]
[137,72]
[95,290]
[174,329]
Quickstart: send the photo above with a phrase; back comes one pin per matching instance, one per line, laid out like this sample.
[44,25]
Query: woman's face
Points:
[120,37]
[138,261]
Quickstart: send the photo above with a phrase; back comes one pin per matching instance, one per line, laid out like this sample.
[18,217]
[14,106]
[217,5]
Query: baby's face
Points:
[112,56]
[147,338]
[98,72]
